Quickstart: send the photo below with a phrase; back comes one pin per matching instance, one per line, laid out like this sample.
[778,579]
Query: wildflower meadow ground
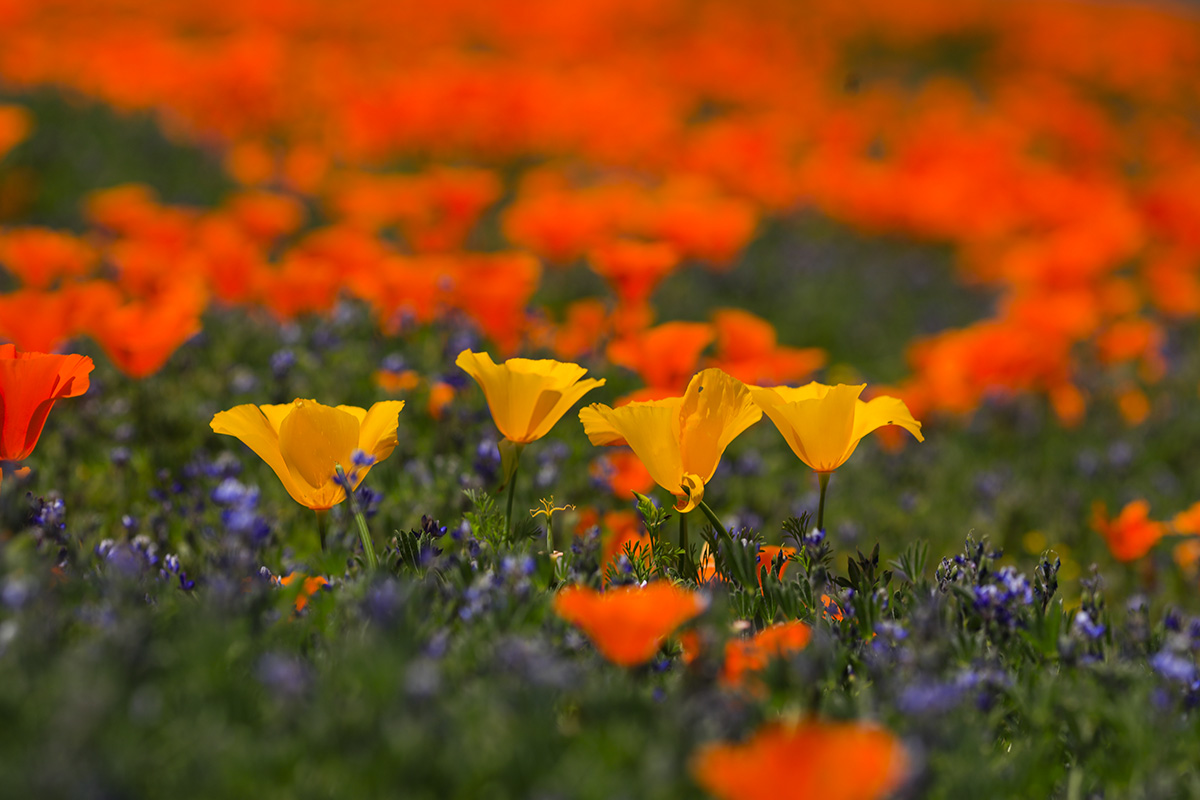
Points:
[599,399]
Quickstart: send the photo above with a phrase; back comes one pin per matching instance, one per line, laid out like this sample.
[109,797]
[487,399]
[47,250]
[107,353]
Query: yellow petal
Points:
[716,408]
[377,429]
[526,396]
[546,419]
[882,411]
[810,391]
[818,429]
[276,413]
[253,427]
[597,427]
[313,438]
[600,430]
[650,431]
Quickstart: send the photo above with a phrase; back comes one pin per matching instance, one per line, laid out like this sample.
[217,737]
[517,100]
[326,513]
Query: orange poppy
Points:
[1187,521]
[141,335]
[766,557]
[1131,535]
[628,624]
[633,269]
[747,348]
[586,324]
[753,654]
[621,528]
[30,383]
[622,472]
[310,586]
[39,256]
[829,760]
[15,125]
[36,320]
[665,357]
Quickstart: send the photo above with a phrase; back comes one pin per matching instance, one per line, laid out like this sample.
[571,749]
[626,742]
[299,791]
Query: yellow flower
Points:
[680,439]
[304,441]
[823,424]
[526,397]
[548,509]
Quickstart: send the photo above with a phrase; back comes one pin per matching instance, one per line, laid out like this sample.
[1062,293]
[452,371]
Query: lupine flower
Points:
[303,442]
[832,761]
[526,396]
[824,424]
[628,624]
[30,383]
[680,439]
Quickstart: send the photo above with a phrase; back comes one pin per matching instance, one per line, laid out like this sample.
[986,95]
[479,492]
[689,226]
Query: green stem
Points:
[322,525]
[512,485]
[364,535]
[712,518]
[823,480]
[685,557]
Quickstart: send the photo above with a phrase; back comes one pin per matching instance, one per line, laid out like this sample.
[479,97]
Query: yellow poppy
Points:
[304,441]
[526,397]
[824,424]
[680,440]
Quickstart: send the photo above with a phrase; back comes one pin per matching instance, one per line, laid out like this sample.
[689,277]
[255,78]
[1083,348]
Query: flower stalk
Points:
[823,480]
[360,520]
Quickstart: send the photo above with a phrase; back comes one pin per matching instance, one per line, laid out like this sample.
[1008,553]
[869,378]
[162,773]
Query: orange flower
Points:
[622,472]
[30,383]
[15,125]
[141,335]
[39,256]
[627,625]
[748,350]
[829,760]
[1187,521]
[310,586]
[36,320]
[665,356]
[441,394]
[622,528]
[633,269]
[585,325]
[766,557]
[1131,535]
[752,655]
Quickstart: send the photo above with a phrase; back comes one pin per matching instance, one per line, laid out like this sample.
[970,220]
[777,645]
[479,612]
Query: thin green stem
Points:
[512,485]
[823,480]
[364,535]
[712,518]
[322,525]
[685,558]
